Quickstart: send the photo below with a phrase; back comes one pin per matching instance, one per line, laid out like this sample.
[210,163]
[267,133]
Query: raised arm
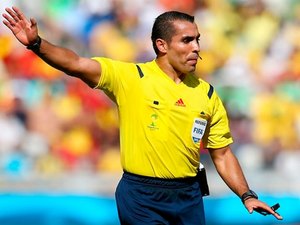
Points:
[231,172]
[26,31]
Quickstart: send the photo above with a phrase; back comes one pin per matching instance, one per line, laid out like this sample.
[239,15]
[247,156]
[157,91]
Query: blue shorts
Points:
[154,201]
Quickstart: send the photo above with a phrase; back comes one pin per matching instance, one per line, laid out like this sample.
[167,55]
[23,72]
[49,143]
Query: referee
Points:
[166,113]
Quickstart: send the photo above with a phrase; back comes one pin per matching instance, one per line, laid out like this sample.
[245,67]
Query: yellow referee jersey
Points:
[162,123]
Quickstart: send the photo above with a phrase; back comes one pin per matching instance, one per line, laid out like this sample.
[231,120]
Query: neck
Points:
[169,70]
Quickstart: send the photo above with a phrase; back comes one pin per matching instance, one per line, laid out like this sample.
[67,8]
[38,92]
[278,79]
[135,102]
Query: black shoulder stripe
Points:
[140,71]
[210,91]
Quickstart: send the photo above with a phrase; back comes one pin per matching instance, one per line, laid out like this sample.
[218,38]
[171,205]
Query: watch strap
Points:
[247,195]
[35,47]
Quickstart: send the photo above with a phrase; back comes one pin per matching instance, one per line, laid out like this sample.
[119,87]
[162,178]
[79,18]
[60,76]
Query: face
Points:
[182,51]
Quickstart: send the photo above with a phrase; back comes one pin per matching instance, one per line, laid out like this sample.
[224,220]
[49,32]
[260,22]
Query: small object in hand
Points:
[263,212]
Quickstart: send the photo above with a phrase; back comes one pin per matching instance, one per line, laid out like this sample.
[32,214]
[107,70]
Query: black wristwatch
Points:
[247,195]
[35,47]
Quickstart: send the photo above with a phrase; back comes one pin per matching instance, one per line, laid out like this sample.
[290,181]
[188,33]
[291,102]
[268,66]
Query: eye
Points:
[187,40]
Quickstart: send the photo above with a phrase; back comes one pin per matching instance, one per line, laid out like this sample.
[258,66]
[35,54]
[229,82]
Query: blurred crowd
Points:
[51,123]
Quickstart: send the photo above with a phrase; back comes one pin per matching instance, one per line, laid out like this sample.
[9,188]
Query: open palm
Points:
[25,30]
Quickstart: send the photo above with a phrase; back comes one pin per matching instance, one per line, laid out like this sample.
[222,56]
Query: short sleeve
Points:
[218,133]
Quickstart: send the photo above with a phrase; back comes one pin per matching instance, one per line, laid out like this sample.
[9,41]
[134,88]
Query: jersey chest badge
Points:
[198,129]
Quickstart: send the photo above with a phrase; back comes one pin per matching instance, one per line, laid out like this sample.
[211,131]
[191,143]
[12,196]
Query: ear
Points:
[161,45]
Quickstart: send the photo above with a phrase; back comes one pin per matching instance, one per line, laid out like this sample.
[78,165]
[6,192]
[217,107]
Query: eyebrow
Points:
[190,37]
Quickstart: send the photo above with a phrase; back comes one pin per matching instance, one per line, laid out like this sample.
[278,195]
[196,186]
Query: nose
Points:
[196,46]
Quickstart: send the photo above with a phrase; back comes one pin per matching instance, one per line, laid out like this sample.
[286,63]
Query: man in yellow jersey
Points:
[165,114]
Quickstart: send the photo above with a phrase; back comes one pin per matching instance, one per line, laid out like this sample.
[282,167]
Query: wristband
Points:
[35,47]
[248,194]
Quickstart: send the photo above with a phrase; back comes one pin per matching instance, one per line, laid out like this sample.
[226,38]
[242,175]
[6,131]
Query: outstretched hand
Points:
[25,30]
[253,204]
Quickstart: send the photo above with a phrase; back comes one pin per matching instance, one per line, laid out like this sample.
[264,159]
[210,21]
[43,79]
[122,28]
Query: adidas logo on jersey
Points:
[180,103]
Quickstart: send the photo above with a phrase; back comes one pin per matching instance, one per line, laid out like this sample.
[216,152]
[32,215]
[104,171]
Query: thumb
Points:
[33,30]
[33,22]
[250,210]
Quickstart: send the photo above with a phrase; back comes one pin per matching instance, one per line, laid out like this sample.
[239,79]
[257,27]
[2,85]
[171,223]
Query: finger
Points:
[33,22]
[250,210]
[8,25]
[279,217]
[267,211]
[19,13]
[12,14]
[9,20]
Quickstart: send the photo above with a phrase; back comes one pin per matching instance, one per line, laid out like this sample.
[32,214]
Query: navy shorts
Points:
[154,201]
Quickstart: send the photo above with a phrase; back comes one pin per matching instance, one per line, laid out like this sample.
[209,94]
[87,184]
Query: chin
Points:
[187,69]
[192,69]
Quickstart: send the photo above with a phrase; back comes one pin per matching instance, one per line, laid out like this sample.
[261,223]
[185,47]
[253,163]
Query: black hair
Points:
[163,26]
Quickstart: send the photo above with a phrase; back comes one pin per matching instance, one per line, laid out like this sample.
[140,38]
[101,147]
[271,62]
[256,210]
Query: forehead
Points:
[185,28]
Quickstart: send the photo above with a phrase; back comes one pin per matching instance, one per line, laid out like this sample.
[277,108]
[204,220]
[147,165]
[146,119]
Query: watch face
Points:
[253,193]
[248,194]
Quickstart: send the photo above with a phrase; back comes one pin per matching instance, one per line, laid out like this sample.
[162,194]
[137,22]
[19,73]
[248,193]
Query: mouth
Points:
[193,58]
[192,61]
